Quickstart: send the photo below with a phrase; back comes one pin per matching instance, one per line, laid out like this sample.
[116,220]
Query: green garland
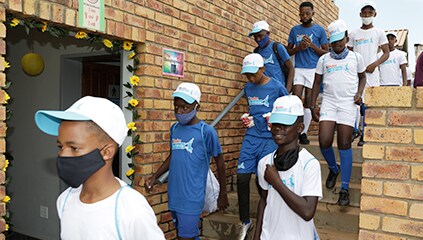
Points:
[111,45]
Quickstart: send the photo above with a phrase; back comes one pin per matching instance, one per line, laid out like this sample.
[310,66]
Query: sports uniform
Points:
[390,70]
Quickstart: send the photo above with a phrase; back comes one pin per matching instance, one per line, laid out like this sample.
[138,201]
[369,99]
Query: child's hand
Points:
[357,99]
[222,201]
[247,120]
[267,116]
[371,68]
[149,184]
[315,114]
[271,174]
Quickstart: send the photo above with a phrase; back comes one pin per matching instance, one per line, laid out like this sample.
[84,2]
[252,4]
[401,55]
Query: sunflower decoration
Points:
[81,35]
[107,43]
[127,45]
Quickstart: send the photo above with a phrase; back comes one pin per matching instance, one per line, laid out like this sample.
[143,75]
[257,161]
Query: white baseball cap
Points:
[189,92]
[258,26]
[286,110]
[392,33]
[252,62]
[107,115]
[337,30]
[368,3]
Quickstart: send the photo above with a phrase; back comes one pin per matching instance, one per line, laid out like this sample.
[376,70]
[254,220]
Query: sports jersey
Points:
[189,166]
[307,58]
[340,80]
[273,68]
[126,212]
[304,179]
[367,42]
[390,70]
[260,100]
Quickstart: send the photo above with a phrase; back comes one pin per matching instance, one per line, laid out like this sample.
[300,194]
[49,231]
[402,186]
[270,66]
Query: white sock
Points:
[307,120]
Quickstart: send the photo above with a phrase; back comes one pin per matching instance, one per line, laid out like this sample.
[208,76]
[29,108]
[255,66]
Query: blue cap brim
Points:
[254,31]
[184,96]
[337,37]
[282,118]
[249,69]
[49,121]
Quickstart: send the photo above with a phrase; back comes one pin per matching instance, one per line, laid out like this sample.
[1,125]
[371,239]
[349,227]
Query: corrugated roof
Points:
[402,37]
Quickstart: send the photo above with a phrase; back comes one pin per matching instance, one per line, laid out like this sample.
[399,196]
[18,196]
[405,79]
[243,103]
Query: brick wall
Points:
[392,185]
[212,34]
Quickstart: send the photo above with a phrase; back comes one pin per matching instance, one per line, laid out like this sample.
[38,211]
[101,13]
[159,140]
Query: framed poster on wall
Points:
[91,14]
[173,63]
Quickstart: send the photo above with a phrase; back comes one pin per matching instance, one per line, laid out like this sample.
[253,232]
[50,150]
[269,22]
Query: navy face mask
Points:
[76,170]
[262,43]
[185,118]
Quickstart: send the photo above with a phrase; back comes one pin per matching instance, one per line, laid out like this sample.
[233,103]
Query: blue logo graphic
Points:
[255,101]
[178,144]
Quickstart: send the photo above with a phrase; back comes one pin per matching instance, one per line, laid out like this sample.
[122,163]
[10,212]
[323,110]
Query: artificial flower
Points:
[133,102]
[127,45]
[6,64]
[6,96]
[107,43]
[6,199]
[14,22]
[130,172]
[6,164]
[81,35]
[131,126]
[7,227]
[129,148]
[131,55]
[44,27]
[134,80]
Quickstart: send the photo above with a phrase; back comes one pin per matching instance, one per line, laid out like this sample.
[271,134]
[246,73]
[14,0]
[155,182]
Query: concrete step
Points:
[314,149]
[331,195]
[355,173]
[224,226]
[337,218]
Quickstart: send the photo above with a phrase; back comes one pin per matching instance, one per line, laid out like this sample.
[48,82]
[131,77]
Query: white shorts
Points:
[304,76]
[341,112]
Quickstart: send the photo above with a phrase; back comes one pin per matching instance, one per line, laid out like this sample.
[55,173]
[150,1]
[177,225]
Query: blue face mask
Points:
[263,42]
[185,118]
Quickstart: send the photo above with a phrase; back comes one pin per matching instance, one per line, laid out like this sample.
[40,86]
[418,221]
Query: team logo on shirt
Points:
[300,37]
[178,144]
[362,41]
[390,61]
[241,166]
[289,182]
[255,101]
[335,68]
[268,60]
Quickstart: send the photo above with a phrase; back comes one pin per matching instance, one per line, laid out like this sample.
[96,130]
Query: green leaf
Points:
[8,115]
[129,155]
[7,85]
[136,61]
[129,133]
[136,138]
[129,94]
[139,142]
[131,165]
[127,85]
[130,68]
[129,107]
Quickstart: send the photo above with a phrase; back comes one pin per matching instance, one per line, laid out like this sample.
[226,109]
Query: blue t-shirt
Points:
[273,68]
[260,100]
[189,166]
[307,58]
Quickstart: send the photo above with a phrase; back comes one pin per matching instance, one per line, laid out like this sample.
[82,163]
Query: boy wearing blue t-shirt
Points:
[187,163]
[261,35]
[308,41]
[261,91]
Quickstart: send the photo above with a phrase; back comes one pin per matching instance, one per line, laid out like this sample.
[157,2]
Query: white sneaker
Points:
[244,229]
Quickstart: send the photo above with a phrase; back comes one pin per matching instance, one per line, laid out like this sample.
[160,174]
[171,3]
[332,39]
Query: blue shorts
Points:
[186,225]
[253,149]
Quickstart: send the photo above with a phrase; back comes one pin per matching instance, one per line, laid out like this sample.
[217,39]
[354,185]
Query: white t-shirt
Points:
[304,179]
[367,42]
[340,77]
[134,217]
[390,71]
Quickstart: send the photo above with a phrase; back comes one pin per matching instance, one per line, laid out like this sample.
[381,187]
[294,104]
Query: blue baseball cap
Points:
[189,92]
[337,30]
[286,110]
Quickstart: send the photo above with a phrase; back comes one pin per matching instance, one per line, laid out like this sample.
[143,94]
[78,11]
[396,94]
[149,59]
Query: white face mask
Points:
[367,20]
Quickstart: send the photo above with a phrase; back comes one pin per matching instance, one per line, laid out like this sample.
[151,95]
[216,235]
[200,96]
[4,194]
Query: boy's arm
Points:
[222,201]
[291,73]
[385,49]
[305,206]
[361,85]
[324,48]
[260,213]
[162,169]
[314,93]
[404,74]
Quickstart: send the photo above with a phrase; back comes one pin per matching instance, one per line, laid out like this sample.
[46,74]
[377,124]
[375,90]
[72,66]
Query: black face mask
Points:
[306,22]
[286,160]
[76,170]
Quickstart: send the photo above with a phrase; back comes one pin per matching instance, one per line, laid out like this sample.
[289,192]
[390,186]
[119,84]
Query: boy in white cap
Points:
[344,78]
[276,58]
[192,143]
[393,72]
[367,40]
[290,177]
[261,91]
[307,41]
[97,205]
